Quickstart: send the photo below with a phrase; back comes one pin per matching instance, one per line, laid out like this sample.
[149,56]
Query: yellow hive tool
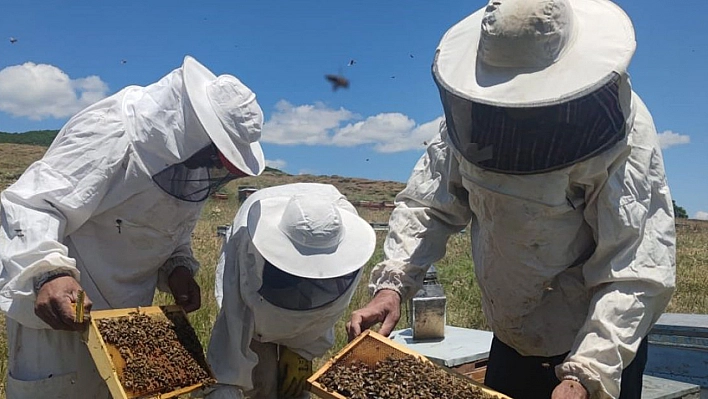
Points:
[79,316]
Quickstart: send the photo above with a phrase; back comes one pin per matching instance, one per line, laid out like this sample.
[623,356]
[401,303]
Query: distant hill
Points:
[19,150]
[15,158]
[35,137]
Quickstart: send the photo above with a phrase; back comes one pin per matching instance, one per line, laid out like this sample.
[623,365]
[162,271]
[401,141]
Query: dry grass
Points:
[354,188]
[455,270]
[14,159]
[691,268]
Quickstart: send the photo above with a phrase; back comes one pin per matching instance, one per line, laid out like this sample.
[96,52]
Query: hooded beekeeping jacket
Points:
[91,208]
[245,315]
[578,259]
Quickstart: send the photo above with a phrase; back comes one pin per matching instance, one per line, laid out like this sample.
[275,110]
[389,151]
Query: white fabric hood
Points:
[162,138]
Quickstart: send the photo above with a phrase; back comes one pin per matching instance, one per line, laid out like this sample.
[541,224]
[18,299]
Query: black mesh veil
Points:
[297,293]
[195,179]
[535,139]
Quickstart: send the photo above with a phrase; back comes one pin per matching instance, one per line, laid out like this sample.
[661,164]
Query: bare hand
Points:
[56,304]
[184,289]
[384,308]
[569,389]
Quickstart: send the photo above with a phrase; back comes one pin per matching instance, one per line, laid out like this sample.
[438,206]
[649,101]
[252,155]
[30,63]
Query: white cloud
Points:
[374,129]
[304,124]
[40,91]
[667,139]
[318,125]
[276,163]
[701,215]
[415,138]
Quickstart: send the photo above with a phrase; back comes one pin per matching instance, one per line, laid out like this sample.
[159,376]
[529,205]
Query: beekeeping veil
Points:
[530,86]
[313,248]
[287,273]
[222,126]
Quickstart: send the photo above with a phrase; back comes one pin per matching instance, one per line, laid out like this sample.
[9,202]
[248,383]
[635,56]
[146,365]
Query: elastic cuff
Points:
[388,288]
[44,278]
[171,264]
[589,378]
[570,377]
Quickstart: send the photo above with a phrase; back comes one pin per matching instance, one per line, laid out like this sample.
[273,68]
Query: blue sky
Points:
[69,54]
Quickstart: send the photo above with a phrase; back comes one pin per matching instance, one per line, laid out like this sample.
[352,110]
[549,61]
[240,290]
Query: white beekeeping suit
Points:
[288,270]
[554,163]
[113,203]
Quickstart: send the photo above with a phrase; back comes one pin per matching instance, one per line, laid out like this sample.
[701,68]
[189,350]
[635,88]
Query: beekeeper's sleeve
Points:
[51,199]
[433,206]
[633,267]
[182,257]
[229,354]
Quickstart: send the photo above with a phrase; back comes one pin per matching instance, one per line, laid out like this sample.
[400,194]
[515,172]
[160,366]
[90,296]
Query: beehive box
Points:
[174,354]
[371,348]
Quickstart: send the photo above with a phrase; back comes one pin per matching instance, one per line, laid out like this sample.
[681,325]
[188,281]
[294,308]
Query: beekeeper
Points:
[109,209]
[553,163]
[288,269]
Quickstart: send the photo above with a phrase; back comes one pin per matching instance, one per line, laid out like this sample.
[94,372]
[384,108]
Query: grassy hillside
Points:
[14,159]
[36,137]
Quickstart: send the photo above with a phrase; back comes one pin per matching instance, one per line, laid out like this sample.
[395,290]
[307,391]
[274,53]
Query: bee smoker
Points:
[244,192]
[427,309]
[222,230]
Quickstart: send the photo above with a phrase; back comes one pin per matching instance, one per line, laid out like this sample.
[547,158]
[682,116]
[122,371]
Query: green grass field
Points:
[455,270]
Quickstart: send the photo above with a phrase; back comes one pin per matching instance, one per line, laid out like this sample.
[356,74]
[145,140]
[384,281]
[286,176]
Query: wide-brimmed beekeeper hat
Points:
[310,236]
[525,53]
[229,113]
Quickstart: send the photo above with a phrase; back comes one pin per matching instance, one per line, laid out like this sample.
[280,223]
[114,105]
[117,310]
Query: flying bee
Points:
[338,81]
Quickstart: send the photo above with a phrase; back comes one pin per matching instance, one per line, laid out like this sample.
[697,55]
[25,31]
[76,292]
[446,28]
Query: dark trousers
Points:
[534,377]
